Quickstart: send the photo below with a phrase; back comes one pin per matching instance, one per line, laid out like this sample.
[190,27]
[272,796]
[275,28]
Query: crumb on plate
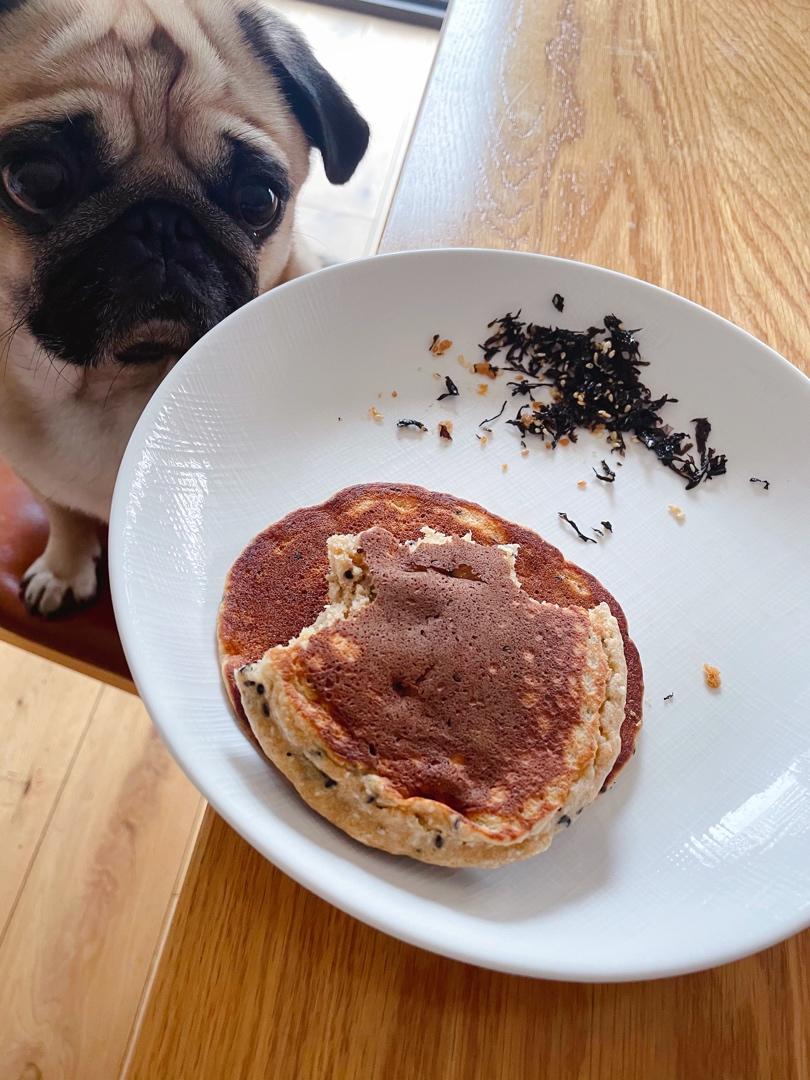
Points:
[677,513]
[483,367]
[375,414]
[712,676]
[439,346]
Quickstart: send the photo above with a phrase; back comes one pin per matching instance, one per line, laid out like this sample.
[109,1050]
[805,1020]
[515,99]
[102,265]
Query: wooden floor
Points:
[96,820]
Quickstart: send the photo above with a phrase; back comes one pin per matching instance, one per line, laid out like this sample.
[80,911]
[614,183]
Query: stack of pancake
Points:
[435,680]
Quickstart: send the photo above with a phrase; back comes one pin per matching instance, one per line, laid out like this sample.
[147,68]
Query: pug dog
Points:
[151,152]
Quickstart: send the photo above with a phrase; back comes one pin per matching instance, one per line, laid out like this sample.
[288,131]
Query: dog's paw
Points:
[47,593]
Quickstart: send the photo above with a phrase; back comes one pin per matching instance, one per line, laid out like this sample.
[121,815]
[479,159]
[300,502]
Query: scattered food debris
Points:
[607,525]
[607,474]
[712,676]
[440,345]
[394,393]
[488,420]
[450,391]
[375,414]
[677,513]
[756,480]
[411,424]
[669,697]
[446,430]
[483,367]
[482,389]
[594,376]
[576,528]
[558,301]
[582,483]
[504,467]
[483,439]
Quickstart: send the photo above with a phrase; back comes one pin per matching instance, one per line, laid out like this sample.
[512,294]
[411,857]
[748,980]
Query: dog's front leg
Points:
[65,574]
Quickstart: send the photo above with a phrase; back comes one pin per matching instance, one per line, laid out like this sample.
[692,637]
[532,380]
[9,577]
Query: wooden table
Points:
[668,139]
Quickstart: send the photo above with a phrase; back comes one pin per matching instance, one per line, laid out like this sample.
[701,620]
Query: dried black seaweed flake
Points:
[450,391]
[576,528]
[607,474]
[411,424]
[756,480]
[489,419]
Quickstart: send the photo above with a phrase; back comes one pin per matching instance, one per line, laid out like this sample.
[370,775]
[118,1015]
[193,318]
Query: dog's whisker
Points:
[111,387]
[58,372]
[7,338]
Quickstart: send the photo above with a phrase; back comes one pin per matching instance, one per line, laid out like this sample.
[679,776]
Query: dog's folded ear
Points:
[330,121]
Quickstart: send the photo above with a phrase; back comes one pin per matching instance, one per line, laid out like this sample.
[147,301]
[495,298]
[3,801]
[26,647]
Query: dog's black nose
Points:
[158,240]
[160,224]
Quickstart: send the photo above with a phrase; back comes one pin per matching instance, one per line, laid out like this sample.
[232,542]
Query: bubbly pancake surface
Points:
[278,586]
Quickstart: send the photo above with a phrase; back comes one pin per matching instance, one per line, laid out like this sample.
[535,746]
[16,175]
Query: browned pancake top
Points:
[453,683]
[277,586]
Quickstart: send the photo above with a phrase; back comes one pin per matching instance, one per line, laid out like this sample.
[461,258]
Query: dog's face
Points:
[150,155]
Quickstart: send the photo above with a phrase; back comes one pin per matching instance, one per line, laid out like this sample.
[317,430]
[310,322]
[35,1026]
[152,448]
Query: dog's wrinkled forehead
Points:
[163,81]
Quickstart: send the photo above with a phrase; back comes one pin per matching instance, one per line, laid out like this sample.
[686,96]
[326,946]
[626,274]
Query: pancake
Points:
[436,710]
[277,586]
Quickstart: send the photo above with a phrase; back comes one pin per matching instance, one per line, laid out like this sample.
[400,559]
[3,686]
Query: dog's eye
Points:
[37,185]
[256,204]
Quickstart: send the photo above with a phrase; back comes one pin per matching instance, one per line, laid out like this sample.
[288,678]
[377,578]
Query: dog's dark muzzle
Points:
[145,287]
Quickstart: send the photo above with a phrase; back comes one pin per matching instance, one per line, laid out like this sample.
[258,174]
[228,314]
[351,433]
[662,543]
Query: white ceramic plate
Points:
[701,853]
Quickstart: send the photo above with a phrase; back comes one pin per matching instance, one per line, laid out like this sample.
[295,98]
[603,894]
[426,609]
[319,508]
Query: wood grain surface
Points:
[44,714]
[77,945]
[261,979]
[663,138]
[667,139]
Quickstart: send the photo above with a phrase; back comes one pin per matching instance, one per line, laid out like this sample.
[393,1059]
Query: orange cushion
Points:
[86,639]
